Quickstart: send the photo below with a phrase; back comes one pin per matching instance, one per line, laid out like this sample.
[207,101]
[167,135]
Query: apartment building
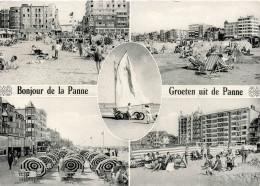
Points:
[231,29]
[107,16]
[228,127]
[248,26]
[30,18]
[4,18]
[197,31]
[189,128]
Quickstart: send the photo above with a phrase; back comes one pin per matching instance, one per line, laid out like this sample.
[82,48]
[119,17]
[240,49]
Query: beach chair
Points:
[195,64]
[210,67]
[224,66]
[19,175]
[180,162]
[109,178]
[32,176]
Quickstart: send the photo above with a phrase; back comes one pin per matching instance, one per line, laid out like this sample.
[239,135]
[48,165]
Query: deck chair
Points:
[224,66]
[210,67]
[195,64]
[108,177]
[180,162]
[19,175]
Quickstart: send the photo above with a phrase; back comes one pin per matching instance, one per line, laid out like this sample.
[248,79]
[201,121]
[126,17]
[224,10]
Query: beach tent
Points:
[127,89]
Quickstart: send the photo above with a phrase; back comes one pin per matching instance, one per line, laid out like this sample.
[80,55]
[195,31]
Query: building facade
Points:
[30,18]
[231,29]
[190,128]
[197,31]
[14,18]
[222,127]
[243,27]
[106,16]
[228,127]
[248,26]
[4,18]
[254,131]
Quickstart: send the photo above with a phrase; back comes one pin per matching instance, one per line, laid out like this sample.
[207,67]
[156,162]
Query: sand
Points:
[194,175]
[69,69]
[128,129]
[173,71]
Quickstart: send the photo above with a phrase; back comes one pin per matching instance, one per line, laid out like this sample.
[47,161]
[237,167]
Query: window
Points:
[23,15]
[28,10]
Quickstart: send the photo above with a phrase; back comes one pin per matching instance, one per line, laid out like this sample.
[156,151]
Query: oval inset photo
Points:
[129,91]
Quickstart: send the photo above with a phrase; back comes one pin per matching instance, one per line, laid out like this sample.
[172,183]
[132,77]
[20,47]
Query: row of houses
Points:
[226,127]
[244,27]
[155,139]
[24,130]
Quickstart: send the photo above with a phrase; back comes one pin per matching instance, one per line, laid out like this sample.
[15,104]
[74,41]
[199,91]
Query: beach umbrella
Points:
[92,155]
[62,153]
[78,156]
[106,165]
[34,164]
[96,160]
[53,157]
[73,164]
[47,160]
[82,152]
[86,154]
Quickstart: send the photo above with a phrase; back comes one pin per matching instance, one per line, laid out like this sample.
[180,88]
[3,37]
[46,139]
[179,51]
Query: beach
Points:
[52,177]
[70,68]
[173,71]
[244,174]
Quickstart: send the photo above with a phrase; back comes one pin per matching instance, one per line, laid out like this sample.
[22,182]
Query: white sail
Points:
[127,89]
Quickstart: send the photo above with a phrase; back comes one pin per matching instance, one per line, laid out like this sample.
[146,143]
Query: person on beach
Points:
[186,155]
[244,154]
[10,160]
[218,164]
[80,45]
[60,166]
[129,111]
[2,61]
[57,49]
[98,56]
[11,64]
[148,114]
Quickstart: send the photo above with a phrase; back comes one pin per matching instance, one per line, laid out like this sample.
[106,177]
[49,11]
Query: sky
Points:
[165,15]
[147,73]
[65,8]
[170,109]
[75,118]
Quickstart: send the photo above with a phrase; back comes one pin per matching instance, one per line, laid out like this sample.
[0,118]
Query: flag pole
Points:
[103,139]
[115,81]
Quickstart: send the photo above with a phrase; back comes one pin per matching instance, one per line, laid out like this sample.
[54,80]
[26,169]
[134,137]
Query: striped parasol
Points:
[47,160]
[53,157]
[96,160]
[78,156]
[62,153]
[82,152]
[106,165]
[91,156]
[72,164]
[34,164]
[56,152]
[86,154]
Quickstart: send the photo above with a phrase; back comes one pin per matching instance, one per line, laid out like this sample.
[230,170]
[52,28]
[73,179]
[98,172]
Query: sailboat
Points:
[127,89]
